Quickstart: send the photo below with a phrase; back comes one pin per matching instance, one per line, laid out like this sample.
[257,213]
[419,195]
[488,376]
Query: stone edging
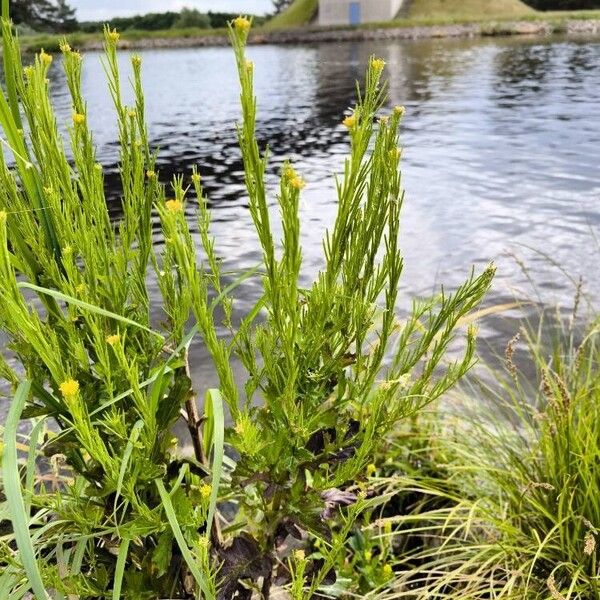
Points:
[311,35]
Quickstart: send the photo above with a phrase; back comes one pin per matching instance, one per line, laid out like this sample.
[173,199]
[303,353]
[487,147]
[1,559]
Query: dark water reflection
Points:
[502,141]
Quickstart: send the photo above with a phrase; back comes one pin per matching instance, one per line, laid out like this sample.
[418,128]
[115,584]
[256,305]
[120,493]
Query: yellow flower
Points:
[350,121]
[131,113]
[113,339]
[29,71]
[78,118]
[80,288]
[205,490]
[196,178]
[289,172]
[297,182]
[45,58]
[368,556]
[387,571]
[299,555]
[113,36]
[203,542]
[65,48]
[377,64]
[396,152]
[399,110]
[150,174]
[249,66]
[371,470]
[136,60]
[241,24]
[174,206]
[69,388]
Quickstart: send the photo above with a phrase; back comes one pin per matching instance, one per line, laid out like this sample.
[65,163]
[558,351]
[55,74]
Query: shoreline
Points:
[310,35]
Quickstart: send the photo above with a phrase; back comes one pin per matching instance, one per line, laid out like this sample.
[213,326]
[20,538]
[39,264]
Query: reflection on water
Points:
[501,141]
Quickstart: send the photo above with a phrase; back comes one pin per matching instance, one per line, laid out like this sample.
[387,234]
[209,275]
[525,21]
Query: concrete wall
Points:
[337,12]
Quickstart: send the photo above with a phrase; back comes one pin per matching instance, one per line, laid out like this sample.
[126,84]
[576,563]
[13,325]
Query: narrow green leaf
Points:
[142,385]
[78,555]
[183,547]
[120,569]
[214,409]
[135,433]
[14,492]
[233,285]
[86,306]
[30,473]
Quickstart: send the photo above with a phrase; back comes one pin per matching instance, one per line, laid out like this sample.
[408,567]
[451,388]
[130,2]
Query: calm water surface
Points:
[502,149]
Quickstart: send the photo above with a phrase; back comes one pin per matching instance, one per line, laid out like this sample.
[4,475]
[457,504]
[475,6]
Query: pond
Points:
[501,153]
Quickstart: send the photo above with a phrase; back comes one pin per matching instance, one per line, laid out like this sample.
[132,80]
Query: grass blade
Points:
[135,433]
[234,284]
[183,547]
[86,306]
[120,569]
[30,479]
[14,495]
[214,411]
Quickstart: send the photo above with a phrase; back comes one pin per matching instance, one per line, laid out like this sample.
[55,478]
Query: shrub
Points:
[191,17]
[330,369]
[511,508]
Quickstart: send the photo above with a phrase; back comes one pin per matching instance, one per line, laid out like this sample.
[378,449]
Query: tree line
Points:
[58,16]
[44,15]
[187,17]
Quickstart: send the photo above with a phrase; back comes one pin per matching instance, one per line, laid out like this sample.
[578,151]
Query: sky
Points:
[96,10]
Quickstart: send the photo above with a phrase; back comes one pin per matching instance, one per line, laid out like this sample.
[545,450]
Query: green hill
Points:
[465,9]
[300,12]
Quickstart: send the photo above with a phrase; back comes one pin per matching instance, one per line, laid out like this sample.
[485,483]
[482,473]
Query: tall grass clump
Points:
[505,501]
[104,504]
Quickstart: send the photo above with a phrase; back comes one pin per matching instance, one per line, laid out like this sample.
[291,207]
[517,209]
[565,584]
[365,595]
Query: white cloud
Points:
[94,10]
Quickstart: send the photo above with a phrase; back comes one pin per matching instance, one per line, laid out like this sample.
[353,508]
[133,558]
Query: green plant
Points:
[330,370]
[510,508]
[546,467]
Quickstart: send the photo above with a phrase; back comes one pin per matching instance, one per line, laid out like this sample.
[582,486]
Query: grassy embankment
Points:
[465,9]
[302,13]
[436,12]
